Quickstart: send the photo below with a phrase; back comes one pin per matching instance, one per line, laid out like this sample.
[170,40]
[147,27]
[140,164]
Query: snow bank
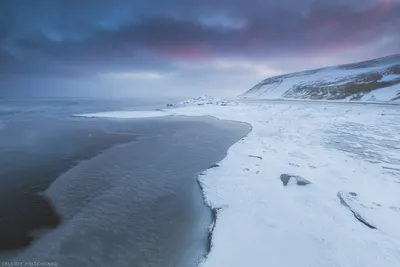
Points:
[352,151]
[126,114]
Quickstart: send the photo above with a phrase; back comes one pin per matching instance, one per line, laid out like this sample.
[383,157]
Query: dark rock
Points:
[300,181]
[285,178]
[170,105]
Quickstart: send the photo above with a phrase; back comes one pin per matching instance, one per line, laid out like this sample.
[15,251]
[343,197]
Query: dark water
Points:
[37,109]
[107,192]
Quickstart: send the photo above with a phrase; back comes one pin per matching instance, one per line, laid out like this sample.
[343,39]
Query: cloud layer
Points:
[174,44]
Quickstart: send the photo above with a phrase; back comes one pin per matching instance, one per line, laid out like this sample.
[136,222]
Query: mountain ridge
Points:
[371,80]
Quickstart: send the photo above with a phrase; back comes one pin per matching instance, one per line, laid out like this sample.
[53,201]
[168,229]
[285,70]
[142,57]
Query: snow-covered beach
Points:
[345,210]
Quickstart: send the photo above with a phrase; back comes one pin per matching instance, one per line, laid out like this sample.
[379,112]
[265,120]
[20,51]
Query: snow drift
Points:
[373,80]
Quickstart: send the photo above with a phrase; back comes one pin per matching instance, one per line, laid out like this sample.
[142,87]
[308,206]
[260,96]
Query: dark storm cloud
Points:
[83,38]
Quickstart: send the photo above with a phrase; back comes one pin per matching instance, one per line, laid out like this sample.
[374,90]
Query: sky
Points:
[182,47]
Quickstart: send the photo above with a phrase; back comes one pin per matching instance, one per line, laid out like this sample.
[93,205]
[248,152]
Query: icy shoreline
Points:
[353,151]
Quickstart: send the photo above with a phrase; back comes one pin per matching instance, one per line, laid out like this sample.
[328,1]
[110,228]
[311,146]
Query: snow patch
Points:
[384,94]
[390,78]
[126,114]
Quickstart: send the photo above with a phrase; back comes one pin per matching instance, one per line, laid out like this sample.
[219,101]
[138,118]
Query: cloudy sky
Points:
[182,47]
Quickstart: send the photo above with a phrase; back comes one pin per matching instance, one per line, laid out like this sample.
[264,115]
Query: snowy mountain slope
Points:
[373,80]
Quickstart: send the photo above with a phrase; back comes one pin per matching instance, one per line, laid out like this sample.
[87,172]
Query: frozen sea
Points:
[105,192]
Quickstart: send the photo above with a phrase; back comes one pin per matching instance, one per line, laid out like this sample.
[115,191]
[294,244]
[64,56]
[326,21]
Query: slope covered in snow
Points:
[373,80]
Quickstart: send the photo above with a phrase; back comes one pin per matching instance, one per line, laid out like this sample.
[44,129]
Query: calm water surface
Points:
[91,192]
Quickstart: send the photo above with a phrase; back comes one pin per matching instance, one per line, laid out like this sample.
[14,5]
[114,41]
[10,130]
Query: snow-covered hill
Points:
[373,80]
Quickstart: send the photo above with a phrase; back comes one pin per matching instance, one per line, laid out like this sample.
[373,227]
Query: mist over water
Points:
[134,204]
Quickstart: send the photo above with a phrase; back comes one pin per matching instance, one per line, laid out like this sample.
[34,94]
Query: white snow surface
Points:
[384,94]
[126,114]
[347,148]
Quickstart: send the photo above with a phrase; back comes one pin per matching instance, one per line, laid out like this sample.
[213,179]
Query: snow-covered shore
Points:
[351,157]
